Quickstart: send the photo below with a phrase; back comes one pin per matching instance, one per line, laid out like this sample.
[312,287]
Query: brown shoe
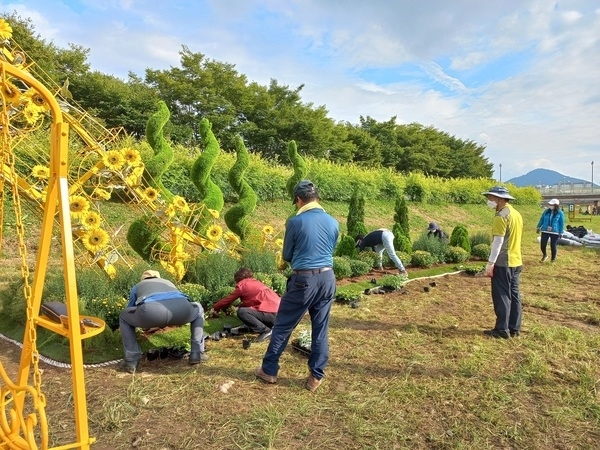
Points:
[312,383]
[259,373]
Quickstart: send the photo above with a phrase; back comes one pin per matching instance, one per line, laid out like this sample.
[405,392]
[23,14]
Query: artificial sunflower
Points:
[113,160]
[132,156]
[36,99]
[5,30]
[279,243]
[91,220]
[11,94]
[101,194]
[150,194]
[214,213]
[40,172]
[214,232]
[170,211]
[95,240]
[267,229]
[31,114]
[180,204]
[79,206]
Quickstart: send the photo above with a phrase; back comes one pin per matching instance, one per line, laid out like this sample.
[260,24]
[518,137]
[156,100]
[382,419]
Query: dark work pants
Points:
[314,293]
[506,298]
[544,241]
[161,314]
[257,321]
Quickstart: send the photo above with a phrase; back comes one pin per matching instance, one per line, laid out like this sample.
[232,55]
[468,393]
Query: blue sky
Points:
[521,77]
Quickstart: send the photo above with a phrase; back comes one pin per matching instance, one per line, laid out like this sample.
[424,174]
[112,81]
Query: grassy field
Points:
[408,370]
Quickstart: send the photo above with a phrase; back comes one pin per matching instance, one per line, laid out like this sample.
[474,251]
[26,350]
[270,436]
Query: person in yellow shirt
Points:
[505,263]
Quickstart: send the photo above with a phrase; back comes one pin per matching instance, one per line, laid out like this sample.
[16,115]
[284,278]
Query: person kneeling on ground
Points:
[380,240]
[155,302]
[434,230]
[259,303]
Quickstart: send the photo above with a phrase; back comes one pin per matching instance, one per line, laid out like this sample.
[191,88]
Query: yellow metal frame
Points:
[18,433]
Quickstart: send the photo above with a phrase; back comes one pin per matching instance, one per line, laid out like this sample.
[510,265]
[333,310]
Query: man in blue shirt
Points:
[308,245]
[155,302]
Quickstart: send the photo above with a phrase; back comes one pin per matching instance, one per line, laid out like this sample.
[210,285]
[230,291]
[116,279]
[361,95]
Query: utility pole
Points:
[501,173]
[592,177]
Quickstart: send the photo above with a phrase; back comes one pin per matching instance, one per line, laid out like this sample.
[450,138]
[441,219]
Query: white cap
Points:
[554,201]
[150,274]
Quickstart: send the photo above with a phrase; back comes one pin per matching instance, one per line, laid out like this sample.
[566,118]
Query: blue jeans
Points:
[313,293]
[506,298]
[387,238]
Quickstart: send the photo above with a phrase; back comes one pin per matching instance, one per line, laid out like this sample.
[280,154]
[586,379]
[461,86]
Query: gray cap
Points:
[498,191]
[303,189]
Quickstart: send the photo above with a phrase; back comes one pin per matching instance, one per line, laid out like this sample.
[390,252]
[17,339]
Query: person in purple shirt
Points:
[308,245]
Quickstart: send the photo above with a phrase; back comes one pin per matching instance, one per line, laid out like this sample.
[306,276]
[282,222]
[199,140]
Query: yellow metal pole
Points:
[57,197]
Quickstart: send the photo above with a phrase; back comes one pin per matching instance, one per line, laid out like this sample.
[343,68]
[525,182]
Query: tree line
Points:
[266,117]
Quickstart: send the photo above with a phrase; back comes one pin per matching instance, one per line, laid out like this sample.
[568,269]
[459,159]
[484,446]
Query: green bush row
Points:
[336,182]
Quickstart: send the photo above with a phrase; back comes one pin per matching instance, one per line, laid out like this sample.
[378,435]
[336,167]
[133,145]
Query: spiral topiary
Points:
[235,217]
[300,169]
[209,193]
[143,235]
[163,153]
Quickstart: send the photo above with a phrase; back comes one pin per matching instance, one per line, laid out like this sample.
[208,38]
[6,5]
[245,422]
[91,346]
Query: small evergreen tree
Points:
[346,247]
[401,228]
[460,238]
[355,223]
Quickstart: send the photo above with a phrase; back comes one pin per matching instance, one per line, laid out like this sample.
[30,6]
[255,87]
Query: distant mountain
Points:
[545,177]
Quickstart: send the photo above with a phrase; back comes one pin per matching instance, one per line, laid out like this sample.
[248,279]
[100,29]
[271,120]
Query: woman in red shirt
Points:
[259,303]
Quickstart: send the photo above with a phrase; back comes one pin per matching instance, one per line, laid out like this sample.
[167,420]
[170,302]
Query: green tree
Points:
[355,222]
[401,227]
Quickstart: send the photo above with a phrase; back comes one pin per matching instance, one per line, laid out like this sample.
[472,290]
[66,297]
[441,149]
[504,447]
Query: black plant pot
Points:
[301,349]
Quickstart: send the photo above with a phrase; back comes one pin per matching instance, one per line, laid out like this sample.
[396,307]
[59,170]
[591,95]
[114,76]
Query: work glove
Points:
[538,229]
[489,270]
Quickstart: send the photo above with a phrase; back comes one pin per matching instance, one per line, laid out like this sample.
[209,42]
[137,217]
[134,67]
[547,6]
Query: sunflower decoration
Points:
[214,213]
[132,156]
[170,211]
[95,240]
[34,98]
[31,114]
[267,230]
[279,243]
[5,30]
[150,194]
[214,232]
[79,206]
[11,94]
[180,204]
[101,194]
[40,172]
[91,220]
[113,160]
